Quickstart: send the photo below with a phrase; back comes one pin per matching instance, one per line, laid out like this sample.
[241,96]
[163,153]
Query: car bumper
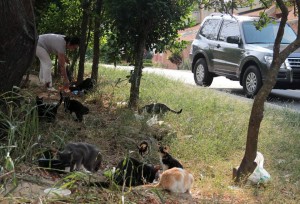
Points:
[288,79]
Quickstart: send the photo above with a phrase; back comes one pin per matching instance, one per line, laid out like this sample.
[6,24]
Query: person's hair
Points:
[72,40]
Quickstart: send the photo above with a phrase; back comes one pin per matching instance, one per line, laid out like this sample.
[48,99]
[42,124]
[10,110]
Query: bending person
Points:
[58,45]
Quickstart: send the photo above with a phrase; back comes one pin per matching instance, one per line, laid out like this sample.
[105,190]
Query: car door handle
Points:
[218,46]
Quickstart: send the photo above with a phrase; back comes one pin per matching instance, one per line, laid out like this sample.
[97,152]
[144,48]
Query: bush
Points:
[185,65]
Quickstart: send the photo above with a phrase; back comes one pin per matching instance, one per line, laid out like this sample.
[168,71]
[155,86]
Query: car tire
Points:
[202,76]
[252,81]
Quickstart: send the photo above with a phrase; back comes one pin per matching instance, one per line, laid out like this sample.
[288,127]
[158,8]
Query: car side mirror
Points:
[233,39]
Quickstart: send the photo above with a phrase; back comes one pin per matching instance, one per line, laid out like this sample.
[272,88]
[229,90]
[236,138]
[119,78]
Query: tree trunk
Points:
[137,73]
[18,40]
[248,165]
[82,46]
[97,35]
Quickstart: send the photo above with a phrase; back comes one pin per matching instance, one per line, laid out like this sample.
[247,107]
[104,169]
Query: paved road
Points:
[283,98]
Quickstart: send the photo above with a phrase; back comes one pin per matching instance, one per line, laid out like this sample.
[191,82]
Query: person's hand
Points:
[66,84]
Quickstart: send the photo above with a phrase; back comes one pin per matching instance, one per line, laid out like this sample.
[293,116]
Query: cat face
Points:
[163,150]
[143,148]
[65,156]
[39,100]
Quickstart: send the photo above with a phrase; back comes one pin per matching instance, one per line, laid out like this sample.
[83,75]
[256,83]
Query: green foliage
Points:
[110,49]
[19,126]
[18,131]
[63,18]
[176,49]
[264,20]
[158,21]
[224,7]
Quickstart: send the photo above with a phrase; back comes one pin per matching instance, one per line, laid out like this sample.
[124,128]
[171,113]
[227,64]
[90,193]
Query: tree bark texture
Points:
[137,73]
[18,40]
[82,46]
[97,35]
[248,165]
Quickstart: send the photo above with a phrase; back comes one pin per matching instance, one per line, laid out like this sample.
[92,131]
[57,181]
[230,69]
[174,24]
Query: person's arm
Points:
[62,59]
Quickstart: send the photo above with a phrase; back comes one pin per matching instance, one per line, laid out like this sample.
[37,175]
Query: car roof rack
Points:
[216,14]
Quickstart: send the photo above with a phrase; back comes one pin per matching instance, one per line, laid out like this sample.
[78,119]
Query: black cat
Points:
[85,85]
[136,173]
[78,154]
[47,111]
[75,106]
[157,108]
[167,161]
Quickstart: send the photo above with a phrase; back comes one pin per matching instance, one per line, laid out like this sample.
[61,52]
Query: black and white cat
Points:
[134,173]
[85,85]
[157,108]
[75,106]
[167,161]
[81,154]
[47,110]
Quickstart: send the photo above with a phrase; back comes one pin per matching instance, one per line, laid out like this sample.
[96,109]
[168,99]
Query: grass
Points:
[211,135]
[208,137]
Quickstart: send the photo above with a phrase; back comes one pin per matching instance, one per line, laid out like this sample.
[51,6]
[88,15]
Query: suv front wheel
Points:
[202,76]
[251,81]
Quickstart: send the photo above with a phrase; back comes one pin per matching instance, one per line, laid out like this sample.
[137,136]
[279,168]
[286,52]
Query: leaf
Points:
[9,164]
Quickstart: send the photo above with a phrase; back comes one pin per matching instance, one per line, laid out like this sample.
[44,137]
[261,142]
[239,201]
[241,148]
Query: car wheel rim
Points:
[251,82]
[200,73]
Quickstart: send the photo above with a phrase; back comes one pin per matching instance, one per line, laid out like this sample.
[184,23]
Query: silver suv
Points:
[231,46]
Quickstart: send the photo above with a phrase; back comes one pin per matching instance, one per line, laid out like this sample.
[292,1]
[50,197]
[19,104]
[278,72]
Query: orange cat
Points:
[175,180]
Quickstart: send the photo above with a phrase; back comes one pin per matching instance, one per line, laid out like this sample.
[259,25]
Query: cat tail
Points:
[150,186]
[177,112]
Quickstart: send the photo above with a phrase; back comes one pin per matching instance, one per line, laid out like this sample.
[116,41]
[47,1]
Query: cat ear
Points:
[166,149]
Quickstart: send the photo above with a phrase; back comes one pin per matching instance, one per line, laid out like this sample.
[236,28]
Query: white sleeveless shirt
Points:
[52,43]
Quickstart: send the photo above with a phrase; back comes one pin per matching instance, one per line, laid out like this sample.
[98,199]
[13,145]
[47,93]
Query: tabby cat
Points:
[78,154]
[143,148]
[157,108]
[167,161]
[47,111]
[75,106]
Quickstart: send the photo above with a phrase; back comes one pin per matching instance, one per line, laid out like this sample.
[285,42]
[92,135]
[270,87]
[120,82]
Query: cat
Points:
[47,110]
[75,106]
[85,85]
[157,108]
[143,148]
[167,161]
[175,180]
[136,173]
[78,154]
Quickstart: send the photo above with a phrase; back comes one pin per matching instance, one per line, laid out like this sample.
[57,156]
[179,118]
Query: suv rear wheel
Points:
[202,76]
[251,81]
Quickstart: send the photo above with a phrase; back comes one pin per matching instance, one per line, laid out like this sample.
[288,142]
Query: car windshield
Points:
[267,34]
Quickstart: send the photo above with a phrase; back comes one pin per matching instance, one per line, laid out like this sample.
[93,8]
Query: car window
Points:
[210,29]
[267,34]
[229,28]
